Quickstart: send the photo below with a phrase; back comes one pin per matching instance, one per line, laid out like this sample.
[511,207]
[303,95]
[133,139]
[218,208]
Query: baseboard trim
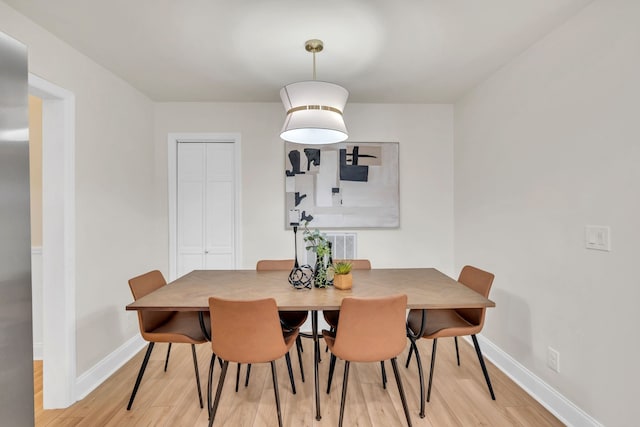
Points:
[95,376]
[37,351]
[565,410]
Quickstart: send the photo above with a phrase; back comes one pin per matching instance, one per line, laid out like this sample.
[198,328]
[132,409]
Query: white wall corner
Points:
[565,410]
[91,379]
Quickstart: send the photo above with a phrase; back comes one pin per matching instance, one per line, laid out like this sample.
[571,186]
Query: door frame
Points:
[58,243]
[173,140]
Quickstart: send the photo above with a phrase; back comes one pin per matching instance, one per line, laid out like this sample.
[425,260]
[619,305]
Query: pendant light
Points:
[314,108]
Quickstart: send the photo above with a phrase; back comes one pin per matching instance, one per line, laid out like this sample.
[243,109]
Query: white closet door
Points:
[205,212]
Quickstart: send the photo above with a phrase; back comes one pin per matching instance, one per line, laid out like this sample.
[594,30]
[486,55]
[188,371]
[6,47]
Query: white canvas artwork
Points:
[346,185]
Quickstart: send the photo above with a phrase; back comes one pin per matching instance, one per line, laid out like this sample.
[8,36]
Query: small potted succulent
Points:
[342,278]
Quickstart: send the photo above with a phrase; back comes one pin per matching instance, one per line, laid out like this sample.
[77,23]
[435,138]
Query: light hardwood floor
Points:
[459,396]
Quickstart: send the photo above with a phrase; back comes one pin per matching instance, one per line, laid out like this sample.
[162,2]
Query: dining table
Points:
[426,289]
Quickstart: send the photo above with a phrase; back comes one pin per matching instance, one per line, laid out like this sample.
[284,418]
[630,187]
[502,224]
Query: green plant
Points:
[342,267]
[316,242]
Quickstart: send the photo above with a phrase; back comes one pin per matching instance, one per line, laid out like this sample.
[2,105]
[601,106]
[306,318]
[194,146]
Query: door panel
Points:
[206,206]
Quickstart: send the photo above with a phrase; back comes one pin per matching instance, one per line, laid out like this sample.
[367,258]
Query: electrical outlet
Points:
[597,237]
[553,359]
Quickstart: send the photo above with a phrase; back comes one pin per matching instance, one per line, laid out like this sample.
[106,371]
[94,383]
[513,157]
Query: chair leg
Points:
[140,374]
[274,376]
[287,358]
[344,391]
[394,364]
[299,350]
[214,408]
[332,366]
[212,365]
[406,365]
[246,381]
[195,366]
[433,362]
[455,339]
[299,343]
[414,347]
[484,368]
[237,376]
[384,375]
[166,362]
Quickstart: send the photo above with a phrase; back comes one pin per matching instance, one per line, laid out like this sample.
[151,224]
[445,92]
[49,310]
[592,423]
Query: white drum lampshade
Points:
[314,112]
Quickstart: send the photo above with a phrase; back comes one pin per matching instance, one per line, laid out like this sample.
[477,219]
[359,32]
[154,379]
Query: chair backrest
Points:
[371,329]
[480,281]
[357,264]
[246,331]
[141,286]
[275,264]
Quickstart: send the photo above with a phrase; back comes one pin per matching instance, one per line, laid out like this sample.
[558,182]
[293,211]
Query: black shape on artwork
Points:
[299,198]
[304,217]
[353,172]
[313,156]
[355,155]
[294,158]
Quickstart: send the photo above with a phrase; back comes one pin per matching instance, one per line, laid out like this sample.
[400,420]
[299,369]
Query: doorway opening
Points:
[58,243]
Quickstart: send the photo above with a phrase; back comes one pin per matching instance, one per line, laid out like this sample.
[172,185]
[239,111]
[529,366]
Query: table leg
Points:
[316,359]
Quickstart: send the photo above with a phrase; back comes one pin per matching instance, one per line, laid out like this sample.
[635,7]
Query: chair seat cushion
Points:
[292,319]
[441,323]
[181,327]
[332,317]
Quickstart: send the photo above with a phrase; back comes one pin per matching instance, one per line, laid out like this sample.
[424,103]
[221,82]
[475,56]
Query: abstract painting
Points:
[345,185]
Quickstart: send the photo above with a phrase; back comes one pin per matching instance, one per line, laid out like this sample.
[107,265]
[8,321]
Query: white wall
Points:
[425,134]
[549,144]
[116,203]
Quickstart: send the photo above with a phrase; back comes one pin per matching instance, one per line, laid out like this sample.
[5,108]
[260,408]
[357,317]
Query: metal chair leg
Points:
[287,358]
[455,339]
[414,347]
[394,364]
[237,376]
[195,366]
[299,350]
[484,368]
[246,381]
[274,376]
[344,391]
[433,362]
[332,366]
[166,362]
[384,375]
[140,374]
[406,365]
[214,408]
[212,365]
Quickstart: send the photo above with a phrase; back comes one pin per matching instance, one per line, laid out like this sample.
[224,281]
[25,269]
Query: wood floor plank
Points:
[459,396]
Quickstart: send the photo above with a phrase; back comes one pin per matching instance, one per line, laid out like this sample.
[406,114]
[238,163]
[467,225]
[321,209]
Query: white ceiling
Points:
[406,51]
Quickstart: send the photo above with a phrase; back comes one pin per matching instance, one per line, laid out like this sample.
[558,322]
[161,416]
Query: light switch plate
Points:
[597,237]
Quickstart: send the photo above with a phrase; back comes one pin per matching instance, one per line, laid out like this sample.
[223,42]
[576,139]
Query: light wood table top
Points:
[426,288]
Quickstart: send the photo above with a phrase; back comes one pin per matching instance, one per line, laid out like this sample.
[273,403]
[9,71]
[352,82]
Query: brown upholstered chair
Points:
[331,316]
[246,332]
[164,327]
[289,319]
[354,340]
[452,323]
